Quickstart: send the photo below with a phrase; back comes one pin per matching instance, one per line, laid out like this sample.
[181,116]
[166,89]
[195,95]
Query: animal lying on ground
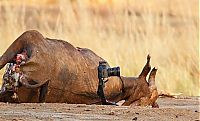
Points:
[56,71]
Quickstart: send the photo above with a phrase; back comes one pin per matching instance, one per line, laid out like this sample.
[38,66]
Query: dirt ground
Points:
[182,108]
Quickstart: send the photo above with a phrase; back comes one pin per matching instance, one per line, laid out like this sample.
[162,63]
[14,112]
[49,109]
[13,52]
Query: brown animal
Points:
[71,75]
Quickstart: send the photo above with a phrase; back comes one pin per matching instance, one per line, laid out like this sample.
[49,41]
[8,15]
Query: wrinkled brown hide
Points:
[72,74]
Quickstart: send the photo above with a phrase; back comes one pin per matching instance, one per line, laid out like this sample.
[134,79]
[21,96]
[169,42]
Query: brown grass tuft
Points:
[121,32]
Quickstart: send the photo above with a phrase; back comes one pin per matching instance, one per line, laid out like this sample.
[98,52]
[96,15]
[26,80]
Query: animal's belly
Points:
[85,93]
[67,96]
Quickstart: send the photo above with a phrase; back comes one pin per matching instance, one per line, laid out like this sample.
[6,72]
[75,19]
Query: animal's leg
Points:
[146,68]
[31,95]
[152,75]
[43,92]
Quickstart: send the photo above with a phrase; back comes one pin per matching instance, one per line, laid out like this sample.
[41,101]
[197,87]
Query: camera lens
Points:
[114,71]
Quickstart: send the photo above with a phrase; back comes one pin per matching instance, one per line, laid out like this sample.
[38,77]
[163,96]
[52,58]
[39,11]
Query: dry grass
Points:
[121,32]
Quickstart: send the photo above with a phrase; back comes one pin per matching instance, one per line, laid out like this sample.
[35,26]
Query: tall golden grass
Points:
[122,32]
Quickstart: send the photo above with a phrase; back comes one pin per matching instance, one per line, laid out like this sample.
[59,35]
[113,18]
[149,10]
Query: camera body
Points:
[104,71]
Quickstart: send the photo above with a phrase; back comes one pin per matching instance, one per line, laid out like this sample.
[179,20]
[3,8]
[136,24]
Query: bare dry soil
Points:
[182,108]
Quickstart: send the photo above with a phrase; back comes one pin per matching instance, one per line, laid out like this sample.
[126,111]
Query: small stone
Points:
[87,110]
[134,119]
[136,113]
[111,113]
[81,105]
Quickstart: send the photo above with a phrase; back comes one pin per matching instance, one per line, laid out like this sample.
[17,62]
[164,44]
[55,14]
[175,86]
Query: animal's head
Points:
[150,99]
[145,92]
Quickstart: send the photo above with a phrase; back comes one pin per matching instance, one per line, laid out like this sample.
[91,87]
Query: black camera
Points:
[104,71]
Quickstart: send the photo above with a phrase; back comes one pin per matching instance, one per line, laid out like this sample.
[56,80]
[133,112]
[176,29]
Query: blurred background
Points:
[121,31]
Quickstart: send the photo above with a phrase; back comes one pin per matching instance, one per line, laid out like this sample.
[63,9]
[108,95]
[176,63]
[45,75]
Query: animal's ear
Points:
[152,87]
[146,68]
[151,80]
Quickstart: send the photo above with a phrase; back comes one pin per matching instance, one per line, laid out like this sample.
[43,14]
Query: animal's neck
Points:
[129,85]
[129,82]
